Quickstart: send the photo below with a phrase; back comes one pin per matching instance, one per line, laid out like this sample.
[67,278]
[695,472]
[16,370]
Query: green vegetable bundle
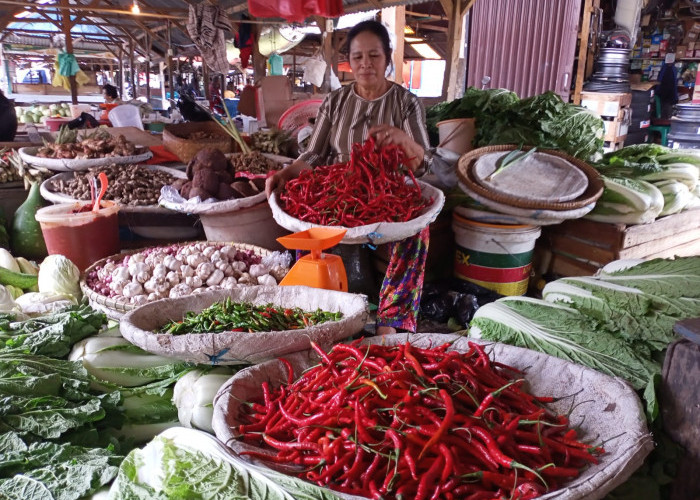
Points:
[230,316]
[617,322]
[646,181]
[543,120]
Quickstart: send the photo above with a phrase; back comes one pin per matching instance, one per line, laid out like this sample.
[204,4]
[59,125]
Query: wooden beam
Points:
[588,8]
[83,8]
[67,25]
[133,78]
[395,19]
[455,45]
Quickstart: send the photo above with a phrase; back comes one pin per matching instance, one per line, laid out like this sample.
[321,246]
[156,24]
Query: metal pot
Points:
[689,112]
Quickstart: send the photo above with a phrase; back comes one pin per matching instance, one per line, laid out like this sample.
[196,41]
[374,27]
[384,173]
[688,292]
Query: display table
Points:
[580,247]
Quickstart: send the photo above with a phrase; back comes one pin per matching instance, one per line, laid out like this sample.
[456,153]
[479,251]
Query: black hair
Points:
[110,90]
[374,27]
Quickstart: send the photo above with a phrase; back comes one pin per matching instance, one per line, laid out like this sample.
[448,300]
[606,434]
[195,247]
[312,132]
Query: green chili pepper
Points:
[238,316]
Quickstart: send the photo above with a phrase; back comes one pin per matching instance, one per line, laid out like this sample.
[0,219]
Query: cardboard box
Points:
[695,27]
[697,53]
[691,36]
[680,51]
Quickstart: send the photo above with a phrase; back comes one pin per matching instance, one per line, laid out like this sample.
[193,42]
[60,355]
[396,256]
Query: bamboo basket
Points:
[117,307]
[185,149]
[465,172]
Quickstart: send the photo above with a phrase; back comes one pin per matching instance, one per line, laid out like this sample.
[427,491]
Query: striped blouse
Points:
[345,118]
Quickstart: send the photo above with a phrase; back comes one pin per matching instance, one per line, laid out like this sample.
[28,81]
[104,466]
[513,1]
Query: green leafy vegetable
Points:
[563,332]
[37,471]
[51,335]
[185,463]
[543,120]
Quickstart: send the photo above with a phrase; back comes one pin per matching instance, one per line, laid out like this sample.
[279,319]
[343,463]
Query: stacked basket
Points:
[508,208]
[175,141]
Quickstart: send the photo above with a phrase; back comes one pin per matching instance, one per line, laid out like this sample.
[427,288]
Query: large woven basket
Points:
[465,172]
[117,308]
[185,149]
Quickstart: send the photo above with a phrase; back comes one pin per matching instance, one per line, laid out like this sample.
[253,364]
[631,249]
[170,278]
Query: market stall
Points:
[491,299]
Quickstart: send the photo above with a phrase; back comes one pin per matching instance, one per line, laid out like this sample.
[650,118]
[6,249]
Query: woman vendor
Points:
[374,106]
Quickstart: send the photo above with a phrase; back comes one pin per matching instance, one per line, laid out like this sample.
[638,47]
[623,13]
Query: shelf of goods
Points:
[580,247]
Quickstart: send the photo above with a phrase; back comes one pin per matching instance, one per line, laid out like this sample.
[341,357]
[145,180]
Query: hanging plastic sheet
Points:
[66,66]
[295,10]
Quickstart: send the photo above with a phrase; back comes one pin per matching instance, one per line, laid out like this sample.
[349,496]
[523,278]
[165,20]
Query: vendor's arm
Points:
[316,154]
[411,136]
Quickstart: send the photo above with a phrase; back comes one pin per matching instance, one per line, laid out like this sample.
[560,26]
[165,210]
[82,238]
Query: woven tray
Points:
[608,411]
[50,194]
[116,308]
[465,173]
[69,165]
[185,149]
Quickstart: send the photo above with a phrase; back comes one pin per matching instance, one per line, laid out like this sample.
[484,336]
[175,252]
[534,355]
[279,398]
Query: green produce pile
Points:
[543,120]
[66,425]
[618,322]
[646,181]
[230,316]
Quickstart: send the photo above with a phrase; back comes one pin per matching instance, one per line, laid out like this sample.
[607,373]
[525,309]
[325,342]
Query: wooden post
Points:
[205,80]
[132,69]
[171,77]
[583,59]
[395,18]
[121,72]
[67,26]
[148,68]
[326,27]
[455,11]
[259,61]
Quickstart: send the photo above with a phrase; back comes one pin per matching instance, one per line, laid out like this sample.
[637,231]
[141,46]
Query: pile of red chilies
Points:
[404,422]
[370,188]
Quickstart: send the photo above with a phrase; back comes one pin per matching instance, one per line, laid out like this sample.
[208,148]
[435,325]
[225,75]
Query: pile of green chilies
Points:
[230,316]
[411,423]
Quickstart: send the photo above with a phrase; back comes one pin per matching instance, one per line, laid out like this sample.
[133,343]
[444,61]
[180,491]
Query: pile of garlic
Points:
[177,271]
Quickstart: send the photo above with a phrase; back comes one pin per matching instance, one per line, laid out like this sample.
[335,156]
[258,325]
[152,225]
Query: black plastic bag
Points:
[85,120]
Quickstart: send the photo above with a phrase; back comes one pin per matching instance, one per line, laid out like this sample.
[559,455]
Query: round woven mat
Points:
[465,172]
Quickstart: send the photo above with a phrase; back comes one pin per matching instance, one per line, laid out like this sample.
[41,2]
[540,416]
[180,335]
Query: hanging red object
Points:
[295,10]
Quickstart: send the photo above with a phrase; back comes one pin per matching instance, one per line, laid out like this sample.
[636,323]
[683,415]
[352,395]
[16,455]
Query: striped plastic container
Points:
[495,256]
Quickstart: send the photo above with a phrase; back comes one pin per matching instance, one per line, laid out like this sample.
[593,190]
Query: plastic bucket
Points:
[495,256]
[83,237]
[457,135]
[253,225]
[77,109]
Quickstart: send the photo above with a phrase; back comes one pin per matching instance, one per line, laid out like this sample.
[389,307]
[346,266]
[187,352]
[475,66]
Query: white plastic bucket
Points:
[77,109]
[495,256]
[126,115]
[457,135]
[253,225]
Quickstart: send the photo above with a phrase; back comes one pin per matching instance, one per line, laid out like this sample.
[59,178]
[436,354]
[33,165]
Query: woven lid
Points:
[465,172]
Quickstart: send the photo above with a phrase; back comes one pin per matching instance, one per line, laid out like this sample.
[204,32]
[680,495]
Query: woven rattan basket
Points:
[465,172]
[185,149]
[116,308]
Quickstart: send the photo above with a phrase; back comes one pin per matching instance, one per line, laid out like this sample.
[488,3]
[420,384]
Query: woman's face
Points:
[367,59]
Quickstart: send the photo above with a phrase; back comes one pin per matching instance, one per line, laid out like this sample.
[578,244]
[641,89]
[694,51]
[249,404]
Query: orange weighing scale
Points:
[316,269]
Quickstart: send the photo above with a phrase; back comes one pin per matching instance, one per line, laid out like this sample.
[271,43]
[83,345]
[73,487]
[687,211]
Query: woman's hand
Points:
[386,134]
[279,178]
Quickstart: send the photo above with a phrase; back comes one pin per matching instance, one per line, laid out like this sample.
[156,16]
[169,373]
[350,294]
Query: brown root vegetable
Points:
[225,192]
[243,188]
[197,191]
[210,158]
[259,183]
[207,180]
[179,183]
[185,190]
[225,176]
